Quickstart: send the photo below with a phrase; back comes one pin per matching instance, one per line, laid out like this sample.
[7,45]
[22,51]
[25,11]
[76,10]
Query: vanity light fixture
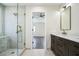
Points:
[69,4]
[65,6]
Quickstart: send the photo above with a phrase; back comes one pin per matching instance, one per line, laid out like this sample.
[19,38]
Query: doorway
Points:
[38,30]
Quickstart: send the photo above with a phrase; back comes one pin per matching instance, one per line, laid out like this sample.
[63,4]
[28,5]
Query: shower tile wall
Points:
[4,43]
[10,25]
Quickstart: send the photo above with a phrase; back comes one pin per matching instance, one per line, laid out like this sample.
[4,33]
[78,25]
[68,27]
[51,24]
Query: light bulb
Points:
[61,9]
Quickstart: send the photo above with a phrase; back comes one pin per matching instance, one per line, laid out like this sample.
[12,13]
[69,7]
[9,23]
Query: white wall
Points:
[74,19]
[52,25]
[28,27]
[52,22]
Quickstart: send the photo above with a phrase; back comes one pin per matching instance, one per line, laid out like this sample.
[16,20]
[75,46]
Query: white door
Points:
[38,30]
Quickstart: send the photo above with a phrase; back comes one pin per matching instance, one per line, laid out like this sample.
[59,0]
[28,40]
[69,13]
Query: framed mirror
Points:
[65,19]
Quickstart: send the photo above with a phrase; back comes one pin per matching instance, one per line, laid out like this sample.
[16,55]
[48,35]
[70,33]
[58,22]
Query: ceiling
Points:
[34,4]
[54,5]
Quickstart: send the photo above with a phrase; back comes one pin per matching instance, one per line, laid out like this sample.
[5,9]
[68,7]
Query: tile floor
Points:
[38,52]
[11,52]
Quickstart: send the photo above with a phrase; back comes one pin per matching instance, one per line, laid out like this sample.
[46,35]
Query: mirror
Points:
[65,19]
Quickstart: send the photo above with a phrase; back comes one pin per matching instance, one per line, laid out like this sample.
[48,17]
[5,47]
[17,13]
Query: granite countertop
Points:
[72,37]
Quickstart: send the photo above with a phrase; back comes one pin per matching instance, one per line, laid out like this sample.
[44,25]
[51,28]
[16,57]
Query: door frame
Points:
[45,30]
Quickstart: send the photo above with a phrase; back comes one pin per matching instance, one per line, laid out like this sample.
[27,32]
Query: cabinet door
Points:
[74,49]
[66,47]
[60,46]
[52,42]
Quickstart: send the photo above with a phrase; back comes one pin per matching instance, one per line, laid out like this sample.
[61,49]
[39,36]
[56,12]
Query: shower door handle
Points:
[19,28]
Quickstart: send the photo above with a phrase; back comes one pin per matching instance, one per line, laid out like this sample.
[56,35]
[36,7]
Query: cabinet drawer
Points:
[73,48]
[73,51]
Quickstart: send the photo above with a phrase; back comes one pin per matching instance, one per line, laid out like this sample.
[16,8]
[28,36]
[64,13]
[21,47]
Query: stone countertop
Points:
[68,36]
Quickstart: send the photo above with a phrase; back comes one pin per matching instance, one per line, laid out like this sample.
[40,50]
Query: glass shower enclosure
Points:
[12,16]
[20,28]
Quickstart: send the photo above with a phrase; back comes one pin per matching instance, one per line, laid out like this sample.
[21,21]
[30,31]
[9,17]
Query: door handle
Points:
[32,29]
[19,29]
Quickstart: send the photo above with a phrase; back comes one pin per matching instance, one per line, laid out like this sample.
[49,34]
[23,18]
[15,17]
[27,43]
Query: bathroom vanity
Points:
[65,45]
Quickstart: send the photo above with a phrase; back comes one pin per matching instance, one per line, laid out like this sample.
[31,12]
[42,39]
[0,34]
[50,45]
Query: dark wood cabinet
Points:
[53,42]
[74,49]
[64,47]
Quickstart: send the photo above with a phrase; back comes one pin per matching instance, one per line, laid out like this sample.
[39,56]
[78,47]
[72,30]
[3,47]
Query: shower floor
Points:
[11,52]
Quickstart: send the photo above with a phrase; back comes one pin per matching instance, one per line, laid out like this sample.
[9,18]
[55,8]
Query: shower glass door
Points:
[12,17]
[8,25]
[20,28]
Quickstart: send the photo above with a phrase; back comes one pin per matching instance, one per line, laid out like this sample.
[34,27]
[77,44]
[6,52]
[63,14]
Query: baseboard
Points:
[22,51]
[48,48]
[28,48]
